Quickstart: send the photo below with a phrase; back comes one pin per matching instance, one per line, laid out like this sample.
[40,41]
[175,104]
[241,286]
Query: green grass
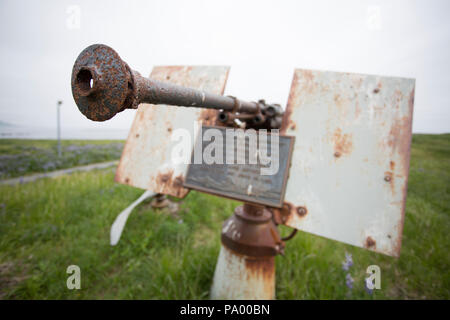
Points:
[23,157]
[48,225]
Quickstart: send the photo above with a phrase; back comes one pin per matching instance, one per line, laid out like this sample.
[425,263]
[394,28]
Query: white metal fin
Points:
[350,162]
[121,220]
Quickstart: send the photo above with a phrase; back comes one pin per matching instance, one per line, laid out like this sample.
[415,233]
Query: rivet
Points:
[376,90]
[337,154]
[387,178]
[301,211]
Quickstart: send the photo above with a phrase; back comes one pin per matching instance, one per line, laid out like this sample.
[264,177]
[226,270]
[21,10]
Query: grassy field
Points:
[22,157]
[48,225]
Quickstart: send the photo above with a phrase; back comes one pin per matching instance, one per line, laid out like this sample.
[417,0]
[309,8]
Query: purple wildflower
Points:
[50,165]
[366,286]
[349,281]
[348,262]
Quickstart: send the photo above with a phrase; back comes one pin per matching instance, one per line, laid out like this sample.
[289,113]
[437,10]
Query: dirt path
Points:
[57,173]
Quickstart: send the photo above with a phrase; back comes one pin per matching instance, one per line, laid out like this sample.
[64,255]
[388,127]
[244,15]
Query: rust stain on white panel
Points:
[146,160]
[241,277]
[350,161]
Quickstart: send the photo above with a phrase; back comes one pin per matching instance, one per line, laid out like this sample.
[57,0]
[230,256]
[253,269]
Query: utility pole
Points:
[58,124]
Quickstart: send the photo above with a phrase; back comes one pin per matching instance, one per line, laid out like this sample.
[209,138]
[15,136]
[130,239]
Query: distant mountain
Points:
[6,124]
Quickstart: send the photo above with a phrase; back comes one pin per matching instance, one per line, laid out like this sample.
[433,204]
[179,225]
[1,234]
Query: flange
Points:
[101,82]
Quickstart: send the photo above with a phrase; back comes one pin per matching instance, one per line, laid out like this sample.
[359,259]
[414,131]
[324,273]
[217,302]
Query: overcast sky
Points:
[262,41]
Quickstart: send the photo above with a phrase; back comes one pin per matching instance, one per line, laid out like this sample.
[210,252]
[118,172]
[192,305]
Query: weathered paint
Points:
[350,162]
[146,160]
[246,265]
[241,277]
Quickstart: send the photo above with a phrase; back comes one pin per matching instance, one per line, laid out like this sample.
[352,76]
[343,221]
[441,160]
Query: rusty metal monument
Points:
[344,145]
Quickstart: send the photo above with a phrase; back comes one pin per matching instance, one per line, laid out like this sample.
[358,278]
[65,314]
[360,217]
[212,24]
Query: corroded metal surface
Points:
[104,85]
[101,82]
[146,160]
[350,163]
[252,232]
[246,265]
[241,277]
[241,181]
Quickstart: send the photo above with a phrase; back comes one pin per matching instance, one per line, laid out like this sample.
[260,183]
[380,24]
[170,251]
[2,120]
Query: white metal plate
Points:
[146,160]
[351,156]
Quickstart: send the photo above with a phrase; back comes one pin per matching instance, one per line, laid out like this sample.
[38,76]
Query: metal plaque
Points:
[146,160]
[350,162]
[242,180]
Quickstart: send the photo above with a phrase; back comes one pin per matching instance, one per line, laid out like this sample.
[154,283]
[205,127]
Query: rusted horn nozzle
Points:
[102,83]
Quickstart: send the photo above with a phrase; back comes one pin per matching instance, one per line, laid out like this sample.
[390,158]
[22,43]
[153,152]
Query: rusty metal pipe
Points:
[103,85]
[246,265]
[157,92]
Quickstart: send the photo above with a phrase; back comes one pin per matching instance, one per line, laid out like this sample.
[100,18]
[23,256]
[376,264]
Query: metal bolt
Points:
[387,178]
[279,249]
[301,211]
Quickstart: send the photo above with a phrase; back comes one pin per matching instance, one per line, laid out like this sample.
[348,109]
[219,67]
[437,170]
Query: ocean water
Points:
[21,132]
